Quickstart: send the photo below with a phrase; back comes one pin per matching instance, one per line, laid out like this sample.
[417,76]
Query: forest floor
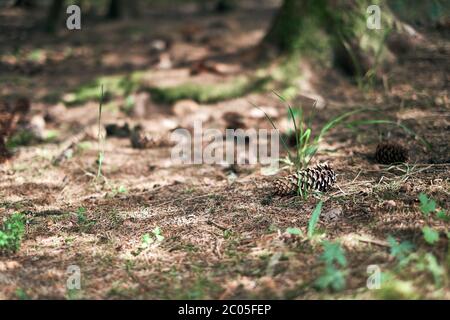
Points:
[147,228]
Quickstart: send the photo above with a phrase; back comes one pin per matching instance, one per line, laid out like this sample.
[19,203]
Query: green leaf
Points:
[426,205]
[430,235]
[329,125]
[147,240]
[442,215]
[333,253]
[158,235]
[331,278]
[294,231]
[306,135]
[400,250]
[157,231]
[3,239]
[314,219]
[311,150]
[283,141]
[434,268]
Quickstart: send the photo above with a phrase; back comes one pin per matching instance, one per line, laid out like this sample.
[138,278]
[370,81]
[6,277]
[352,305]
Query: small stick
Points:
[215,224]
[374,241]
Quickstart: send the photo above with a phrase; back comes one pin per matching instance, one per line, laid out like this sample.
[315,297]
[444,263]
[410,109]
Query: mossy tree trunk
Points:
[334,27]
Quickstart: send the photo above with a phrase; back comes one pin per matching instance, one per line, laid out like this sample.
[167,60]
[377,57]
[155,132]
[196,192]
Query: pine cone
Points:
[22,106]
[234,120]
[319,178]
[391,152]
[142,140]
[115,130]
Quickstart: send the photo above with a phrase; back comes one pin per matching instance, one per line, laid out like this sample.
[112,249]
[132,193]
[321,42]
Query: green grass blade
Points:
[314,219]
[275,127]
[298,132]
[331,124]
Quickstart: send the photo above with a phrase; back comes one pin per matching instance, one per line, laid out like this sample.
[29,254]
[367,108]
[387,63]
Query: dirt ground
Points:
[224,235]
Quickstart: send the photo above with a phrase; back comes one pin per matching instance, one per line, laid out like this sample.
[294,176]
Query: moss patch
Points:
[209,93]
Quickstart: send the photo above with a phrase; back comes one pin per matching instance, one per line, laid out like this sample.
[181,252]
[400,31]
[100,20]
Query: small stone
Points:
[332,214]
[390,204]
[183,108]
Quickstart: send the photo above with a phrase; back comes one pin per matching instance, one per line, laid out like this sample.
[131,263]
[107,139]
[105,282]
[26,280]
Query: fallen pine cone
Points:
[143,140]
[115,130]
[234,120]
[319,178]
[391,152]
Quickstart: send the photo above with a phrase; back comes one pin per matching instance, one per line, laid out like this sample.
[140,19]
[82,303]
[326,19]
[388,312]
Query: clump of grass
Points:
[83,222]
[307,144]
[155,237]
[101,137]
[11,233]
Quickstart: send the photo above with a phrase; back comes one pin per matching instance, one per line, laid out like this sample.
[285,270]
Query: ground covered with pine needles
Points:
[143,227]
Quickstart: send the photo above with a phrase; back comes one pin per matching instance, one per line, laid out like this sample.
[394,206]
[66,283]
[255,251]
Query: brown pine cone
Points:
[142,140]
[391,152]
[22,106]
[319,178]
[234,120]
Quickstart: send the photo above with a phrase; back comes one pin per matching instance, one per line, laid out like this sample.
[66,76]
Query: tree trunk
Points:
[134,8]
[335,28]
[115,9]
[225,6]
[24,4]
[54,15]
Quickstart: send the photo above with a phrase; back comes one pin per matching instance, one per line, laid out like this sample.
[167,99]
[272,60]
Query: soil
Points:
[224,235]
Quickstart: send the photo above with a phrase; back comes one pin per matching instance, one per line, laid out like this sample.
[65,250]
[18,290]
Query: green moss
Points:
[397,290]
[293,29]
[118,85]
[208,93]
[21,138]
